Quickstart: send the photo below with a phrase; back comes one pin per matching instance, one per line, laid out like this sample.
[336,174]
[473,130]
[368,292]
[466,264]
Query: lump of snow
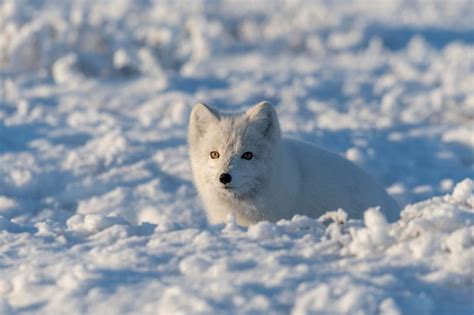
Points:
[262,230]
[446,184]
[93,223]
[176,300]
[374,237]
[460,240]
[150,215]
[338,219]
[106,203]
[300,223]
[20,177]
[389,307]
[98,152]
[65,70]
[461,135]
[194,265]
[6,204]
[76,276]
[355,155]
[463,193]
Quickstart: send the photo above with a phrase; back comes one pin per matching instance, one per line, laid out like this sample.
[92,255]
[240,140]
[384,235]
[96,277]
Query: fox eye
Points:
[214,155]
[247,155]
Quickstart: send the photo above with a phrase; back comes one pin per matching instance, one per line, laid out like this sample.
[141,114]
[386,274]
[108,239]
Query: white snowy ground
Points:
[98,214]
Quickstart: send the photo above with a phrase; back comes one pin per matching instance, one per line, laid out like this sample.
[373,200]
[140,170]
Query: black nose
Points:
[225,178]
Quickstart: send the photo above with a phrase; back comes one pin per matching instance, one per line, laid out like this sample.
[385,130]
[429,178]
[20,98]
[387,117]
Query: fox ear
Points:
[264,116]
[201,116]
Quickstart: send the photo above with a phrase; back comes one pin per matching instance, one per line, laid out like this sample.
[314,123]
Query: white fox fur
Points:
[283,178]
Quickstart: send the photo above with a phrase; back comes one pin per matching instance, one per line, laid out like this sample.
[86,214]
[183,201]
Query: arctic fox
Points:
[242,166]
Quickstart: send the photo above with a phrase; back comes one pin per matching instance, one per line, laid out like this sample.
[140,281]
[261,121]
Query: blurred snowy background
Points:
[98,214]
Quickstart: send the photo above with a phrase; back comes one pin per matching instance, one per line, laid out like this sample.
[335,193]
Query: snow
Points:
[98,213]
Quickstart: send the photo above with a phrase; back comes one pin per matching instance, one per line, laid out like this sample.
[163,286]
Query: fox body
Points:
[242,166]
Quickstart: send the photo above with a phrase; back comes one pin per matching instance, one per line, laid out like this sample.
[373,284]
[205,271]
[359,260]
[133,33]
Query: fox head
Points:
[232,153]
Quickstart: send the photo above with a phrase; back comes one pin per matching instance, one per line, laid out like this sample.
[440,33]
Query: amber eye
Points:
[214,155]
[247,155]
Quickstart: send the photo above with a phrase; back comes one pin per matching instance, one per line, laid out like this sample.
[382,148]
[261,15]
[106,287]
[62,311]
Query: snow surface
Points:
[98,214]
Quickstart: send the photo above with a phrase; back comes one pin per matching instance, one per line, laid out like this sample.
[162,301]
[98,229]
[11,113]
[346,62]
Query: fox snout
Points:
[225,178]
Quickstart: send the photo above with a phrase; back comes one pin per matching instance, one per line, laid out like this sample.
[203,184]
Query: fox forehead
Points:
[232,133]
